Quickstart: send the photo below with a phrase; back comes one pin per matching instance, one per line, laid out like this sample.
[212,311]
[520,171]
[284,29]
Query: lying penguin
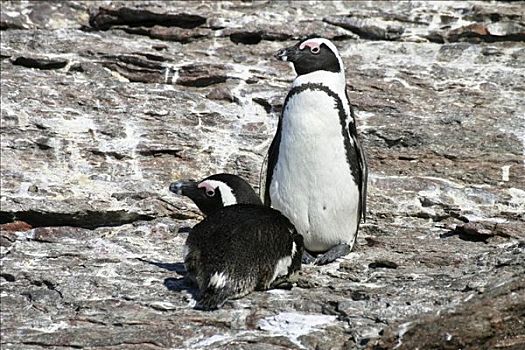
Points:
[241,245]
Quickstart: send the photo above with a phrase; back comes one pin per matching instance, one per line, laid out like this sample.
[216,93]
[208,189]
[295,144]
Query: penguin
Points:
[317,170]
[241,245]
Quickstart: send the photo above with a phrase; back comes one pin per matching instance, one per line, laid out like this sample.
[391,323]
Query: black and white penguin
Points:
[317,171]
[241,245]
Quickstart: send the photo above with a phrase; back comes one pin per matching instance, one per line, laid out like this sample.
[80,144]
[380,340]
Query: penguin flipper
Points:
[273,154]
[298,258]
[361,162]
[333,254]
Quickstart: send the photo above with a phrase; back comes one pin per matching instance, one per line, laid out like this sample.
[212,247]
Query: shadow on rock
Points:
[177,284]
[182,284]
[177,267]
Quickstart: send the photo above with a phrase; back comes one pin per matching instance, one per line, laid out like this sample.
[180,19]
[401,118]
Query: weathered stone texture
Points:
[104,104]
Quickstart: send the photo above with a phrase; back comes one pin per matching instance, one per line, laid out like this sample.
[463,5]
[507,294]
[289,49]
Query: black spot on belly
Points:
[324,207]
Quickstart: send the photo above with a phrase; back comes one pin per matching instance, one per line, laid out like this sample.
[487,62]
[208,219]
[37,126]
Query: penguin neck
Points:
[335,81]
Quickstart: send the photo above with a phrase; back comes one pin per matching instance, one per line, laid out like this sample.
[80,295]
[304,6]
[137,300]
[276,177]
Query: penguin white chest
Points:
[312,183]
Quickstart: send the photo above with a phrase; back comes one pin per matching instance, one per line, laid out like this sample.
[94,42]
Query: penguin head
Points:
[311,55]
[216,191]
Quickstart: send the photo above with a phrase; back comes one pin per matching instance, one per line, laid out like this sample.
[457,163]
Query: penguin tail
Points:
[212,299]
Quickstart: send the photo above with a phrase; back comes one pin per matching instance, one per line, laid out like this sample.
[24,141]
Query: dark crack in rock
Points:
[40,63]
[87,219]
[104,18]
[367,29]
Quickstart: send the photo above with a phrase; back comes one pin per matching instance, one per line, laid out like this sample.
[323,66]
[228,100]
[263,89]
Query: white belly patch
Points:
[312,183]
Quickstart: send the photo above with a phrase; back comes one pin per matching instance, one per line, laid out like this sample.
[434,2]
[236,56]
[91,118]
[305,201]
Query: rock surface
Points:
[103,105]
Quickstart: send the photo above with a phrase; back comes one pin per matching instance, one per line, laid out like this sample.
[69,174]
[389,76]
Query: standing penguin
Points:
[241,245]
[317,171]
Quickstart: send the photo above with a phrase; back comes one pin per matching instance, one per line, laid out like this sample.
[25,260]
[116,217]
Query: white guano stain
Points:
[505,173]
[469,297]
[293,325]
[210,341]
[403,328]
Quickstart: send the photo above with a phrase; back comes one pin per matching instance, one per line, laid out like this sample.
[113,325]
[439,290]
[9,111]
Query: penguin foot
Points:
[282,284]
[307,258]
[334,253]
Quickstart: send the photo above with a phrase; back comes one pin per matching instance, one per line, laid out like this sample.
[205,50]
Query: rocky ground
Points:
[104,104]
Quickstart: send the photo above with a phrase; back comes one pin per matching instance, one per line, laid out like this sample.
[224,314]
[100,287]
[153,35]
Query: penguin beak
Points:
[183,187]
[288,54]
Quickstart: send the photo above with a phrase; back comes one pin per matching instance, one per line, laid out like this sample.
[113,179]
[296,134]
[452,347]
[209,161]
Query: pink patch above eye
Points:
[312,44]
[207,186]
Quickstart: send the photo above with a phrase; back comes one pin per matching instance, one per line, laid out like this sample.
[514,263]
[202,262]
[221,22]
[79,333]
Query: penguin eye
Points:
[315,50]
[210,193]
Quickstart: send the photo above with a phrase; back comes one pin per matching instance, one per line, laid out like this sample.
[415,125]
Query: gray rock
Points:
[98,119]
[492,321]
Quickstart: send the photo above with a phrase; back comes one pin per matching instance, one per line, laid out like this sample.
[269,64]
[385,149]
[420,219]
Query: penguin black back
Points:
[239,249]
